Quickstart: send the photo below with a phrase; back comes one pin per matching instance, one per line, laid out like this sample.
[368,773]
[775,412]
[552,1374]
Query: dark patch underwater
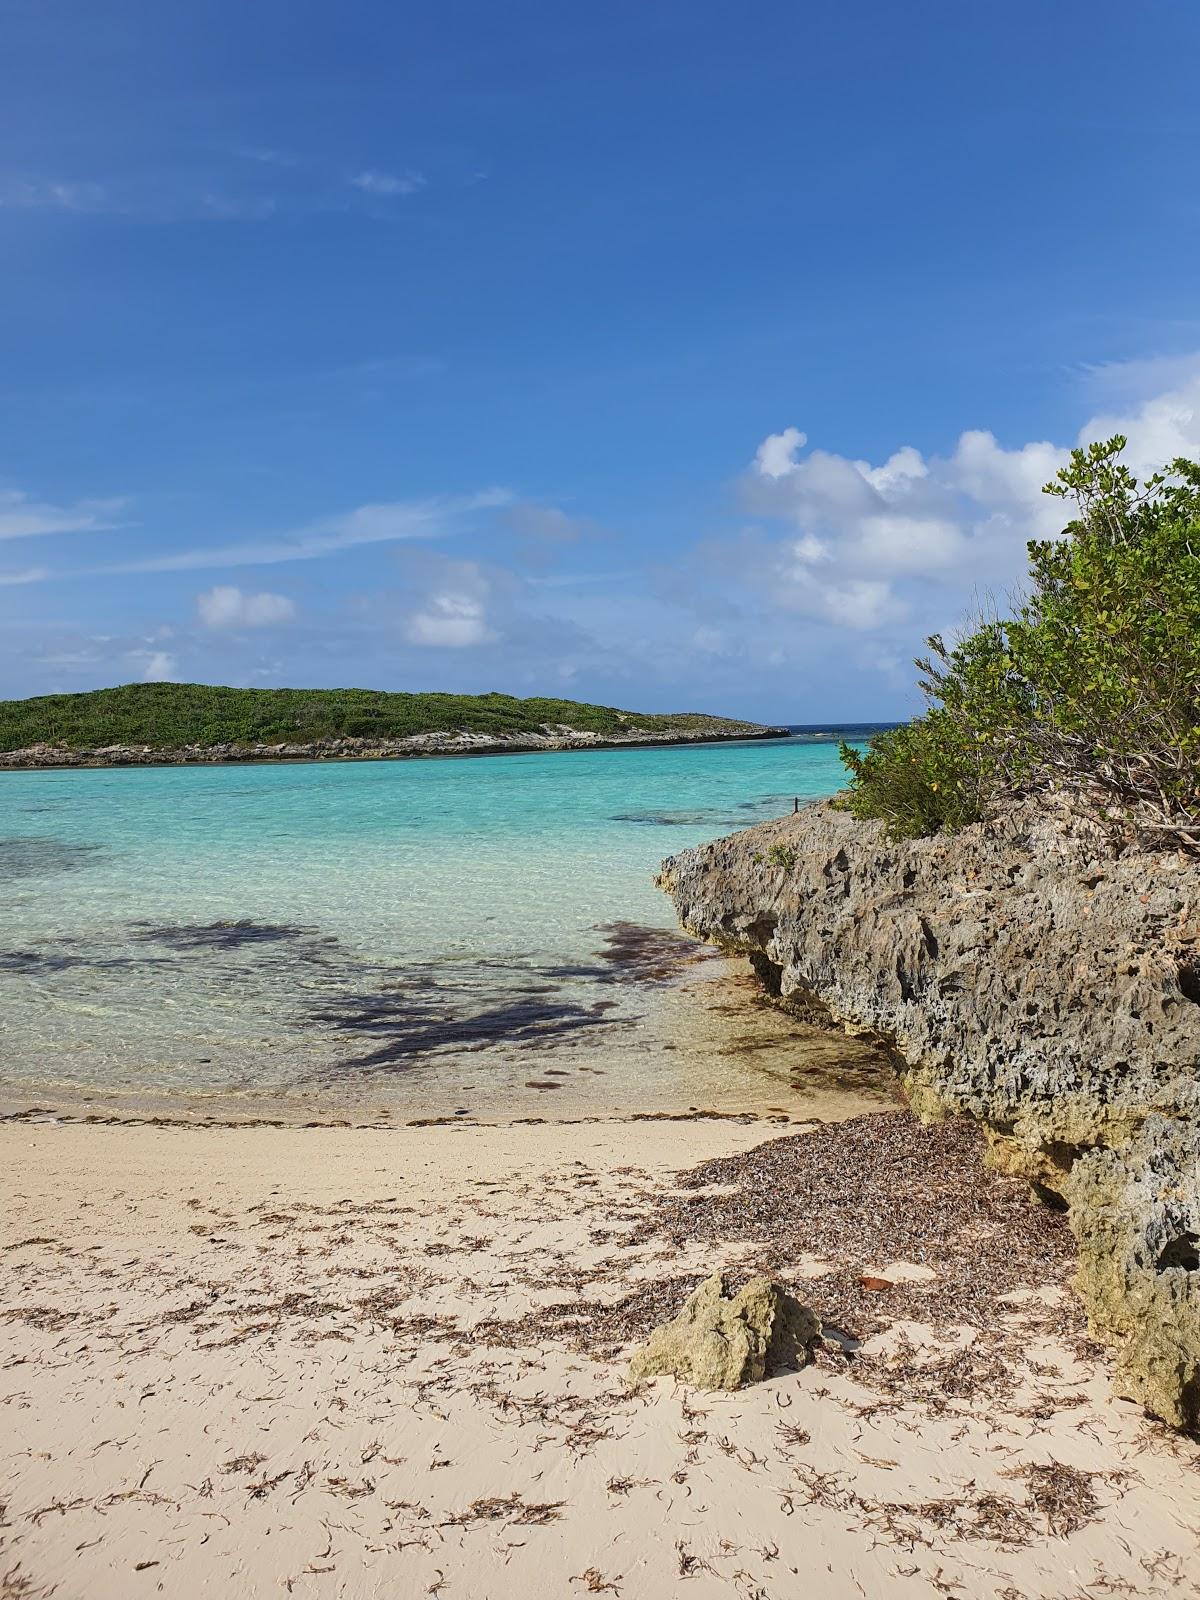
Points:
[226,936]
[33,856]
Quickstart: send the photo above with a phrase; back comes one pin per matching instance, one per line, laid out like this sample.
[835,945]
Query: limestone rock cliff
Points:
[1028,976]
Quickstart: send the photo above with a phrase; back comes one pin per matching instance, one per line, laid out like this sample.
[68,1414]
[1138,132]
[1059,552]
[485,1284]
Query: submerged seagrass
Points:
[1034,978]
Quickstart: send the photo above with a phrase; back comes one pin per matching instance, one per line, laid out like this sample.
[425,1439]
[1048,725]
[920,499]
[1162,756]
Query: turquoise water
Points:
[431,935]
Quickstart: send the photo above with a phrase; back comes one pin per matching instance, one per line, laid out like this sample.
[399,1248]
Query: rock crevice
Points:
[1030,977]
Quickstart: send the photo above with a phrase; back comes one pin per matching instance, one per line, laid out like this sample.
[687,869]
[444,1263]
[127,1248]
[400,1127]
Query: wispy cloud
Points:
[388,185]
[243,185]
[147,198]
[266,156]
[54,194]
[370,524]
[23,517]
[29,575]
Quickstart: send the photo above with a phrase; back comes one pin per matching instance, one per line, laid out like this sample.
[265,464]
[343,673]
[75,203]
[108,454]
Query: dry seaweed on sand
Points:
[594,1327]
[594,1582]
[18,1585]
[1062,1495]
[936,1377]
[874,1189]
[623,1485]
[1058,1500]
[512,1509]
[855,1194]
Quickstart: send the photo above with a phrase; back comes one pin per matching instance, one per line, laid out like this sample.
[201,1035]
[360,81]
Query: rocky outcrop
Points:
[1032,977]
[553,736]
[720,1343]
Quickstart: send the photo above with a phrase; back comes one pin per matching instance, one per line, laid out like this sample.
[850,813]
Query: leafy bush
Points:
[777,855]
[1093,687]
[915,778]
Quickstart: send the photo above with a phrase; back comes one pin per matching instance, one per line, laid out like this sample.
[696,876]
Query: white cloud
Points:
[809,549]
[157,666]
[862,534]
[370,524]
[898,543]
[860,603]
[1003,482]
[775,457]
[22,517]
[456,597]
[227,606]
[70,658]
[1159,429]
[388,185]
[900,469]
[917,537]
[1128,383]
[449,621]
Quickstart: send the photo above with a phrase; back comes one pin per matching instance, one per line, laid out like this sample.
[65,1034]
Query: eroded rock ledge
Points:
[1031,978]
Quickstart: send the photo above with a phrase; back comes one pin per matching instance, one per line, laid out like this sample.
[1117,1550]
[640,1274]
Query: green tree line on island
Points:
[171,716]
[1092,688]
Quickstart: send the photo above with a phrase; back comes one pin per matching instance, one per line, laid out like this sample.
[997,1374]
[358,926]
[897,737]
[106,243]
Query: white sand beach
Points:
[326,1362]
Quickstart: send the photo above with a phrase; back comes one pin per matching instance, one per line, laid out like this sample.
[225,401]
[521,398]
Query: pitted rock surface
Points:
[720,1343]
[1032,976]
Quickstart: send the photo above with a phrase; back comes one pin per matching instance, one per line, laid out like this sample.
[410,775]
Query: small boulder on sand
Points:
[719,1343]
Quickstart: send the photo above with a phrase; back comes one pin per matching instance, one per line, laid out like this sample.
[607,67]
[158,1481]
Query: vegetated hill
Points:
[168,716]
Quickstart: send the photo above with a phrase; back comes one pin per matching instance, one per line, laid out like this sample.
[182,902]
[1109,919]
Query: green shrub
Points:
[913,777]
[1093,687]
[781,855]
[776,855]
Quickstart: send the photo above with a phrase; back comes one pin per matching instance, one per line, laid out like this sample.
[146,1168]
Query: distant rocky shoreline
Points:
[553,737]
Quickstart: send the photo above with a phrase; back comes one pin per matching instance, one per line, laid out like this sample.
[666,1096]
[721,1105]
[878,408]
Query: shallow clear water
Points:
[434,936]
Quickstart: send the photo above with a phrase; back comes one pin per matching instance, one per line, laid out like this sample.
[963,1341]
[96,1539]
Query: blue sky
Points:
[673,355]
